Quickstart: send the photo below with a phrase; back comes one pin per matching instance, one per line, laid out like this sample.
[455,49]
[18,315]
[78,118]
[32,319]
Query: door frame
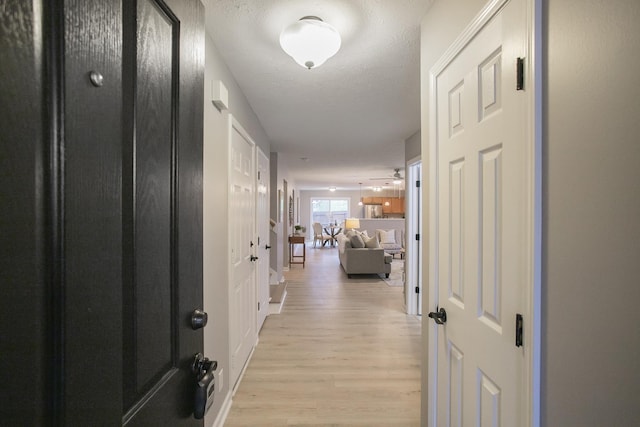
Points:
[532,286]
[413,255]
[262,224]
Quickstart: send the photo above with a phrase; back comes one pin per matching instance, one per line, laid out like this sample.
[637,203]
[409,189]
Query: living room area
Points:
[328,221]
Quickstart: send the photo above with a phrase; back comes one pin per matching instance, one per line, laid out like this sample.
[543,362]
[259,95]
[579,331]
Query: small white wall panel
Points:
[489,395]
[489,85]
[235,201]
[456,359]
[456,232]
[490,256]
[456,115]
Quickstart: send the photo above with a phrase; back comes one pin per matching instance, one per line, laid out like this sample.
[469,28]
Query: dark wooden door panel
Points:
[162,286]
[89,158]
[151,347]
[23,271]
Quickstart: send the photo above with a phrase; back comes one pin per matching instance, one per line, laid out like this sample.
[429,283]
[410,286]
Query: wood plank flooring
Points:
[341,353]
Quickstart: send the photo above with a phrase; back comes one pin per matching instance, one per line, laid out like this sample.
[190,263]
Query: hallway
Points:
[341,353]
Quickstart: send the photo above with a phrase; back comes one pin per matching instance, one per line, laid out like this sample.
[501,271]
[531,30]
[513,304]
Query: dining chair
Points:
[319,235]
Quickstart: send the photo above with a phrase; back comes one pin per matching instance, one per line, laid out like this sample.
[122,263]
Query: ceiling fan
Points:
[396,176]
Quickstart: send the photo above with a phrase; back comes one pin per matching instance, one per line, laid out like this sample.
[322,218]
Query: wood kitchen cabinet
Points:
[395,205]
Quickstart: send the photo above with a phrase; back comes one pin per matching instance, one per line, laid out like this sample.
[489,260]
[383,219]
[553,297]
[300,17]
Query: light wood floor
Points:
[341,353]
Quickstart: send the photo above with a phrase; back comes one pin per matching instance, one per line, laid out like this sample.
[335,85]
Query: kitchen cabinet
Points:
[395,204]
[372,200]
[392,205]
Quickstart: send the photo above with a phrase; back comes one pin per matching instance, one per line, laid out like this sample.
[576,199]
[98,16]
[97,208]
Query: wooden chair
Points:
[319,235]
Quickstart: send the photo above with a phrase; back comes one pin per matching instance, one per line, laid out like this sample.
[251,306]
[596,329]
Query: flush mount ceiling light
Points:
[310,41]
[332,189]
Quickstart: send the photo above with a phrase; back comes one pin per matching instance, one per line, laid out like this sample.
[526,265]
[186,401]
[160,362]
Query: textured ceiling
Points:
[345,121]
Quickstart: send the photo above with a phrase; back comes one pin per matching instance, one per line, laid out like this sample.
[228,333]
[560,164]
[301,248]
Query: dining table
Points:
[332,230]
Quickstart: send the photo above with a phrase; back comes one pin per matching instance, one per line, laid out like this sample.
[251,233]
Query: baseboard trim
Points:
[244,369]
[224,411]
[276,307]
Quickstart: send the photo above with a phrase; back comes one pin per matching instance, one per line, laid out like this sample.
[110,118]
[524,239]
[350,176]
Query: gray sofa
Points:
[362,260]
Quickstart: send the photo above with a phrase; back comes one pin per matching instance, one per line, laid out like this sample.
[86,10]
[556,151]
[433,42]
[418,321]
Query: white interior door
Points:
[243,246]
[262,216]
[480,215]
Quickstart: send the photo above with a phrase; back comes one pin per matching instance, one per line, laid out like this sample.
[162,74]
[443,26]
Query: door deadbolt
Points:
[199,319]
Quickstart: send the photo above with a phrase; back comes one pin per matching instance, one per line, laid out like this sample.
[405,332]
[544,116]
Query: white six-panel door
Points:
[480,223]
[242,246]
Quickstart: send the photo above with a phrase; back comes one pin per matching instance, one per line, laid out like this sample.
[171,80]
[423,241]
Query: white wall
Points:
[591,214]
[412,146]
[591,203]
[215,216]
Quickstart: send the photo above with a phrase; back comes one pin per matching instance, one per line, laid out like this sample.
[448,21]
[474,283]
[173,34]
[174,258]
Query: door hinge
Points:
[417,289]
[520,74]
[258,175]
[418,184]
[418,236]
[519,325]
[258,306]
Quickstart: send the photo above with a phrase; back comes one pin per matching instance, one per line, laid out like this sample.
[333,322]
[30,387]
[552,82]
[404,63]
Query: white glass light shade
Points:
[310,42]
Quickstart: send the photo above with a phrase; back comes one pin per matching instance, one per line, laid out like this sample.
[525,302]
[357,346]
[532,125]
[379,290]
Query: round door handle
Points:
[439,316]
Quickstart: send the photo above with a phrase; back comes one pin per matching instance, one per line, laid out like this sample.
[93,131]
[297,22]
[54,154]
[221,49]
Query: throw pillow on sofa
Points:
[387,236]
[371,242]
[357,241]
[353,231]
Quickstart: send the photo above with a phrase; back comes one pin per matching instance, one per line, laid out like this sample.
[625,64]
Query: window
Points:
[327,211]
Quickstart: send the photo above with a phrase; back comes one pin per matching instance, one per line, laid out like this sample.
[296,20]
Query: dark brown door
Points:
[162,208]
[110,202]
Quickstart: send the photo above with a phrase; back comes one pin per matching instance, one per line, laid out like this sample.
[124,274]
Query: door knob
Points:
[439,316]
[253,258]
[267,247]
[199,319]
